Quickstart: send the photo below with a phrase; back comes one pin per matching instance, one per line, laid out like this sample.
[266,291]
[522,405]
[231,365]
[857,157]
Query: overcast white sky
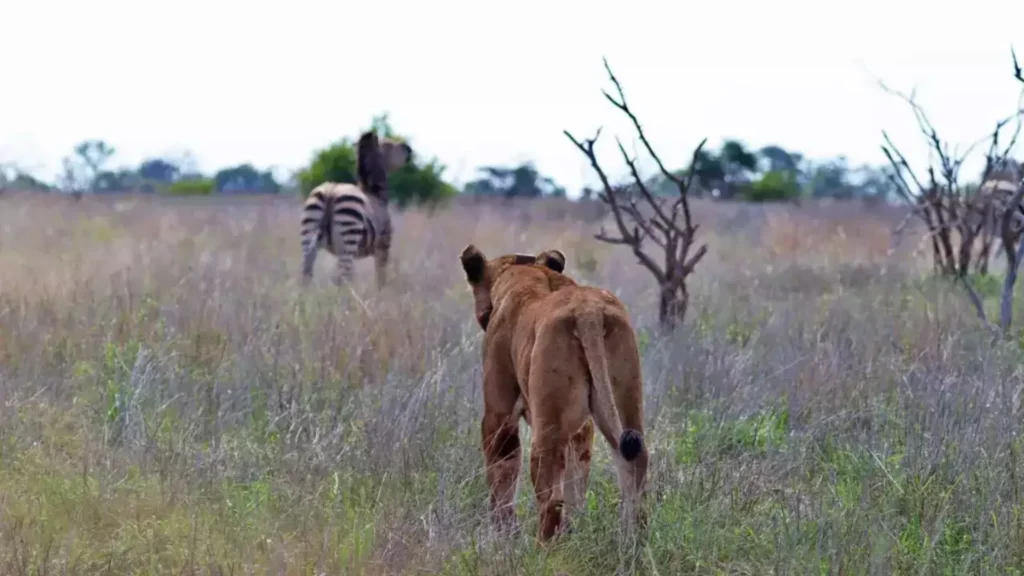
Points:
[487,83]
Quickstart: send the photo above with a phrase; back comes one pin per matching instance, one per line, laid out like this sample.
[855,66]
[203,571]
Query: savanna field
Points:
[172,403]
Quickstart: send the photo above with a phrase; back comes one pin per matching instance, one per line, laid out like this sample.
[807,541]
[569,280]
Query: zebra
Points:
[996,192]
[351,221]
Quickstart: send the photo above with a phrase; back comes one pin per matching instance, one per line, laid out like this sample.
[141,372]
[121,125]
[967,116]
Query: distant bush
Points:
[774,186]
[245,178]
[191,187]
[27,183]
[336,163]
[421,185]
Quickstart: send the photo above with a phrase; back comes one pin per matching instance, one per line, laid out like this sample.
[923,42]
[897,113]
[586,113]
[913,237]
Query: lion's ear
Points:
[473,263]
[553,259]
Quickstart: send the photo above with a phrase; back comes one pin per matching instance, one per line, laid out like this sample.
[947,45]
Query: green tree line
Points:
[733,171]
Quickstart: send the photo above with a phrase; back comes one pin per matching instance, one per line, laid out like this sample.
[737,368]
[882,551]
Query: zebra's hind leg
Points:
[343,272]
[309,252]
[380,260]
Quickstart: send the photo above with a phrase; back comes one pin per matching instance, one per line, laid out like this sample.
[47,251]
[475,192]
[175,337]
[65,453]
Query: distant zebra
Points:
[997,191]
[351,220]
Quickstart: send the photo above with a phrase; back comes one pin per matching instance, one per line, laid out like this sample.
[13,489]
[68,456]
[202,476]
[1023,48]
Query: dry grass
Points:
[171,403]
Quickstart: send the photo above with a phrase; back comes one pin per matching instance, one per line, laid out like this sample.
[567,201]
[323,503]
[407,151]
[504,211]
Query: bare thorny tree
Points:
[963,222]
[665,222]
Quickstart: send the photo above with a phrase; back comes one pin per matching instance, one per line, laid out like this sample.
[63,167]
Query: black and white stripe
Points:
[349,224]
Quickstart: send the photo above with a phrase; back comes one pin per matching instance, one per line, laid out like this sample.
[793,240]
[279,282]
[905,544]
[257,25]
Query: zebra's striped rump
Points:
[346,222]
[340,218]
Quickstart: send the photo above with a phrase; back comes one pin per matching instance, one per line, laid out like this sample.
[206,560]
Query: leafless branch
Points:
[940,200]
[947,208]
[1016,67]
[609,197]
[658,225]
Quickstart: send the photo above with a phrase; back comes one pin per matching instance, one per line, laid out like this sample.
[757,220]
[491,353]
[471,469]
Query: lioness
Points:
[556,353]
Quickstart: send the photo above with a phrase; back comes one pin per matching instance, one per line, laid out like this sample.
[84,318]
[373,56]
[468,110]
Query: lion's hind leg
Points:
[632,486]
[577,470]
[632,472]
[503,457]
[559,410]
[547,468]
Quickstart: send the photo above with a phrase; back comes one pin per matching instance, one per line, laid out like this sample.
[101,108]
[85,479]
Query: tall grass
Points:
[171,402]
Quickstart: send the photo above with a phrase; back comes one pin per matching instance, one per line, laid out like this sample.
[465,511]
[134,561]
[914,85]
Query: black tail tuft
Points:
[631,443]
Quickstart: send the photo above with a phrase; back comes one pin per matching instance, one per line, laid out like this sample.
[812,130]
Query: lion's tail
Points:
[590,330]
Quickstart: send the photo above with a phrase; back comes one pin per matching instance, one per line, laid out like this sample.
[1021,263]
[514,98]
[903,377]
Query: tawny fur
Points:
[564,357]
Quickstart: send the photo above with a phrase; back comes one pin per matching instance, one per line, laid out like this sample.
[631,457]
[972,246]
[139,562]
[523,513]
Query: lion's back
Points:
[545,328]
[555,317]
[570,301]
